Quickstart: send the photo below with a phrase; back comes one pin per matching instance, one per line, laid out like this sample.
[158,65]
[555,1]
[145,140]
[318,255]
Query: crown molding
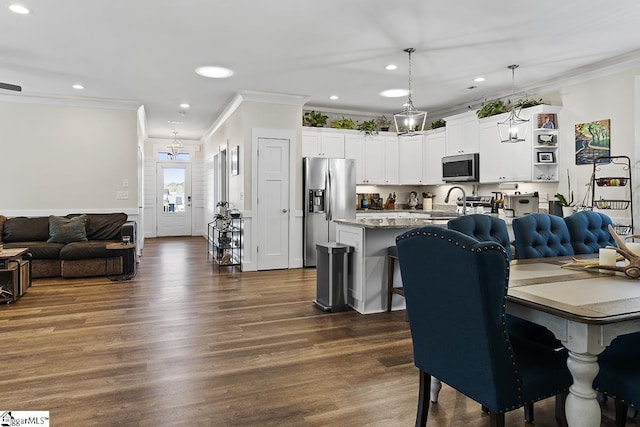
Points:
[71,101]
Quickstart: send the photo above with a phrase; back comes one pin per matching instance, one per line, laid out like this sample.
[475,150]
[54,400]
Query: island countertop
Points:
[392,222]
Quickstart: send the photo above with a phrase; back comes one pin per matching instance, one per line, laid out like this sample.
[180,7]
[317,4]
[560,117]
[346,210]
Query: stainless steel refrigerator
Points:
[329,193]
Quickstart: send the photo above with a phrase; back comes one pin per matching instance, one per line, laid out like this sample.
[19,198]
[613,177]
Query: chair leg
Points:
[621,413]
[496,420]
[423,399]
[561,416]
[528,413]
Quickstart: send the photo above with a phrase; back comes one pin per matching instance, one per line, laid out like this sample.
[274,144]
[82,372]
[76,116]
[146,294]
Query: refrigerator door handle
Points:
[328,195]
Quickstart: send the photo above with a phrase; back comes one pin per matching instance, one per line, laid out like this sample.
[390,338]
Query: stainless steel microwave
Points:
[460,168]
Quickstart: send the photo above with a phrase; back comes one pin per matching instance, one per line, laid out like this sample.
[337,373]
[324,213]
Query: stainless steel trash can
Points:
[333,275]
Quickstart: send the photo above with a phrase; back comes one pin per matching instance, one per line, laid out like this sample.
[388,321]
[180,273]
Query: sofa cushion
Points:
[23,229]
[103,226]
[67,230]
[39,250]
[2,220]
[85,250]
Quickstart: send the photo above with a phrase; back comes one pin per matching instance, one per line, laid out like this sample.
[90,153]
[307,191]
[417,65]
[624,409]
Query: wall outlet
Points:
[125,183]
[122,195]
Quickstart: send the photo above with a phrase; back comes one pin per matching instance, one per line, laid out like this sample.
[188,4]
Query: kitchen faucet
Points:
[464,198]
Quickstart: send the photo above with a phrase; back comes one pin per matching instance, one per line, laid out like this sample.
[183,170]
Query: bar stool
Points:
[392,257]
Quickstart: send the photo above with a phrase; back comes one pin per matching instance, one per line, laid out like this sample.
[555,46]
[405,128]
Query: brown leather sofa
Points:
[73,259]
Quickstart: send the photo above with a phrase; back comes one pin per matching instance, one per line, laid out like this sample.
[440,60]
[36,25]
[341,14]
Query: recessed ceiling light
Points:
[391,67]
[18,8]
[175,121]
[184,105]
[334,97]
[394,93]
[479,79]
[214,72]
[78,86]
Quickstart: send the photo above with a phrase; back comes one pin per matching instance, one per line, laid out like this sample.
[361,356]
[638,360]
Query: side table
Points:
[129,263]
[15,273]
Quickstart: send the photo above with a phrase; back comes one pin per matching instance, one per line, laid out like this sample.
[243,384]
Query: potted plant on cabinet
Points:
[440,123]
[368,127]
[384,123]
[343,123]
[314,119]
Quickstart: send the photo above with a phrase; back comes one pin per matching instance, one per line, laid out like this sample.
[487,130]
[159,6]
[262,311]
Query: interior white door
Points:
[174,199]
[273,204]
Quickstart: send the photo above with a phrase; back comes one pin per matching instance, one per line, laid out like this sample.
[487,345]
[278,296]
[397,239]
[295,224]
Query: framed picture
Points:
[545,157]
[235,163]
[593,139]
[547,121]
[546,139]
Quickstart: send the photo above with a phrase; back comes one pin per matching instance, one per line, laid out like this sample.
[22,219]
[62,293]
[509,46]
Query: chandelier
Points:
[175,147]
[514,128]
[409,121]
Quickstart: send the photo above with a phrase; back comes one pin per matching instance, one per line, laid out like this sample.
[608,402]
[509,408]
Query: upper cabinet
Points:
[503,161]
[410,159]
[433,152]
[322,142]
[462,135]
[376,158]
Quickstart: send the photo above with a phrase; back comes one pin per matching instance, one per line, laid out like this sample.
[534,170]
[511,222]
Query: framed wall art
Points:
[593,139]
[546,157]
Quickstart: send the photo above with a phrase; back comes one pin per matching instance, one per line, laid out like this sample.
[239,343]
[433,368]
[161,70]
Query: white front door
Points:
[174,199]
[273,203]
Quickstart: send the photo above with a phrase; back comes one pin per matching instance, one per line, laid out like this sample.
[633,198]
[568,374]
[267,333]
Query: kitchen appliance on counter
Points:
[477,204]
[329,186]
[521,204]
[369,201]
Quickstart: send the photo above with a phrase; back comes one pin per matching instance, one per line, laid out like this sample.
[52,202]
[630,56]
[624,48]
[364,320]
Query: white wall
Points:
[58,159]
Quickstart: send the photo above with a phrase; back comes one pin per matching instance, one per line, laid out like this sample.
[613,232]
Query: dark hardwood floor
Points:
[183,344]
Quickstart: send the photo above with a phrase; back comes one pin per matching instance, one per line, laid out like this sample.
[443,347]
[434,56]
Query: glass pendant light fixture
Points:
[409,121]
[175,147]
[514,128]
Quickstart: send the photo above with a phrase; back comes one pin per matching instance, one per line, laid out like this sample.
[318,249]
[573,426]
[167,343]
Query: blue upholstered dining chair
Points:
[589,231]
[619,375]
[541,235]
[455,290]
[485,228]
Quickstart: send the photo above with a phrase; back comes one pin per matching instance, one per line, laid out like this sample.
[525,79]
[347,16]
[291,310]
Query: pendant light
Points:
[409,121]
[175,146]
[513,129]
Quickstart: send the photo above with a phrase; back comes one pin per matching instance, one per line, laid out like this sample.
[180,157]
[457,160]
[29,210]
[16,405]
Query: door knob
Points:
[284,211]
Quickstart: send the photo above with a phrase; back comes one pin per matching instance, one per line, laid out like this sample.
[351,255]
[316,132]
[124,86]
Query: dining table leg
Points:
[582,408]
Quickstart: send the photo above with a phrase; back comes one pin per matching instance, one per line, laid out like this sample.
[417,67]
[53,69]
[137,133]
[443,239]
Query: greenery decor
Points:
[491,109]
[562,199]
[368,127]
[440,123]
[384,123]
[528,102]
[343,123]
[314,119]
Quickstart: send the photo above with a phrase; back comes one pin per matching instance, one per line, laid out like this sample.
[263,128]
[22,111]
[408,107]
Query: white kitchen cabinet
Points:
[376,158]
[391,160]
[410,159]
[502,161]
[433,151]
[323,142]
[462,134]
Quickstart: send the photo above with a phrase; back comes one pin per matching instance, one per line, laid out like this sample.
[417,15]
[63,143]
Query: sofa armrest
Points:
[129,228]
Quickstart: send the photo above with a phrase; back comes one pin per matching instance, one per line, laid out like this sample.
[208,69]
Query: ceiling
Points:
[144,52]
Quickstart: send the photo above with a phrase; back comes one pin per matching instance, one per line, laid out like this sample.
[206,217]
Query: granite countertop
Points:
[392,223]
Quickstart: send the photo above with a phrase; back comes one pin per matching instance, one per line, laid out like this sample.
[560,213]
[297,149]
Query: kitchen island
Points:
[370,238]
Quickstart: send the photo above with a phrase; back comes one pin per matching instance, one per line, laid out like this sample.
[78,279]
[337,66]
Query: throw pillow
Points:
[2,220]
[67,230]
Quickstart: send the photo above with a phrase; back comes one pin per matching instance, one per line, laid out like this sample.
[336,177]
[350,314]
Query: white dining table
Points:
[585,310]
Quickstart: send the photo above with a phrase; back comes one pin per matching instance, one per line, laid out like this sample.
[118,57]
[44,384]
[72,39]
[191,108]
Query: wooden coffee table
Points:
[15,274]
